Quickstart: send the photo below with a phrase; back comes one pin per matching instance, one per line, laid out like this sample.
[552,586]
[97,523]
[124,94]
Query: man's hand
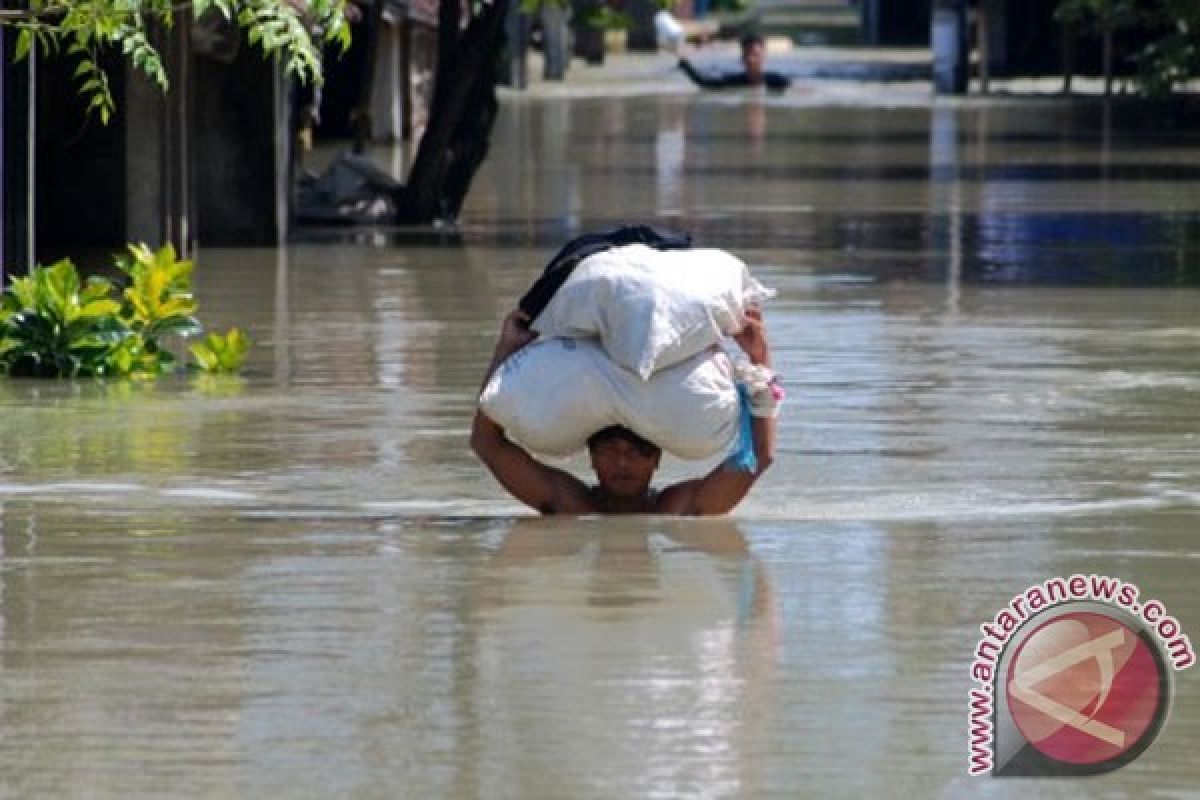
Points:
[753,338]
[514,334]
[723,488]
[545,488]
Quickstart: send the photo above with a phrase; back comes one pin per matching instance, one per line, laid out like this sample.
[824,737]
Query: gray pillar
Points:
[240,145]
[516,47]
[157,202]
[554,41]
[950,48]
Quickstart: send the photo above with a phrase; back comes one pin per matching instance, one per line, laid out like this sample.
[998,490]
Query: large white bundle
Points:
[651,308]
[555,393]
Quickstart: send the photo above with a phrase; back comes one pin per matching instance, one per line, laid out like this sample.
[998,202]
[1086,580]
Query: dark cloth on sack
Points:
[563,264]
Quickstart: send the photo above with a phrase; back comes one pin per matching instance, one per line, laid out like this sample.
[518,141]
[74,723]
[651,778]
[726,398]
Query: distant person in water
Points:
[753,72]
[623,461]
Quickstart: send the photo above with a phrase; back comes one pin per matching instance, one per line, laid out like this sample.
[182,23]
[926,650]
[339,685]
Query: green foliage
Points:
[605,18]
[51,325]
[222,353]
[1170,57]
[87,28]
[1173,58]
[157,303]
[1097,14]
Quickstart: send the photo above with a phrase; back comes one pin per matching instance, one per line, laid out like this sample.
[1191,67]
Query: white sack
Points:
[553,394]
[653,308]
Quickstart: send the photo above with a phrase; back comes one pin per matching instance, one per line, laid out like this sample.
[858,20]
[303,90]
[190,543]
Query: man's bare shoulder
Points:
[571,495]
[678,499]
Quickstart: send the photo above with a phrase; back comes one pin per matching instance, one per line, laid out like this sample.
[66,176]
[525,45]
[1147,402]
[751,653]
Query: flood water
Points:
[301,584]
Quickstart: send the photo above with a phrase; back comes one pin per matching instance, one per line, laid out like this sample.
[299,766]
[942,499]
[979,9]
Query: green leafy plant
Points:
[53,325]
[157,303]
[87,28]
[221,353]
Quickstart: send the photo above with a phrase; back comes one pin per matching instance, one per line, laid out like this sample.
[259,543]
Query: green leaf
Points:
[175,325]
[221,353]
[95,289]
[24,42]
[24,293]
[59,284]
[205,357]
[99,308]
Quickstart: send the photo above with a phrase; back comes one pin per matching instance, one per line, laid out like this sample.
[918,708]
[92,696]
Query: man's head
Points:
[754,57]
[624,462]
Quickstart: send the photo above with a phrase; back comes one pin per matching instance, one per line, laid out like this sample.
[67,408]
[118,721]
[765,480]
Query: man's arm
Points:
[544,488]
[723,488]
[707,80]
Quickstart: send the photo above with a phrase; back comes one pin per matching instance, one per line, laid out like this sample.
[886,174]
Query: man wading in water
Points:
[624,462]
[753,72]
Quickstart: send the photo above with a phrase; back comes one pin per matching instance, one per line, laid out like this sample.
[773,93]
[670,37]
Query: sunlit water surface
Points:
[301,584]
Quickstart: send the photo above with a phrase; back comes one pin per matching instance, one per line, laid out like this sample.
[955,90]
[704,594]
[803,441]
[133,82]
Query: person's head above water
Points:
[624,462]
[754,57]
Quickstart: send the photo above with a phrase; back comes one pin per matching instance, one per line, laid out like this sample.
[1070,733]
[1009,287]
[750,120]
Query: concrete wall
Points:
[207,162]
[240,148]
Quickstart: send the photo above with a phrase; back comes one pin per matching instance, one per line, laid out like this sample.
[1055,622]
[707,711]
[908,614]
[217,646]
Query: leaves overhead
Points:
[291,30]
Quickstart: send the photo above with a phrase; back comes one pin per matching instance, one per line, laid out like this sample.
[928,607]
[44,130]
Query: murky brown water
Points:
[301,584]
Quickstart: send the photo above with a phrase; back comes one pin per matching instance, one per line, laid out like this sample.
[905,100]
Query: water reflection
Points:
[670,156]
[1080,195]
[650,645]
